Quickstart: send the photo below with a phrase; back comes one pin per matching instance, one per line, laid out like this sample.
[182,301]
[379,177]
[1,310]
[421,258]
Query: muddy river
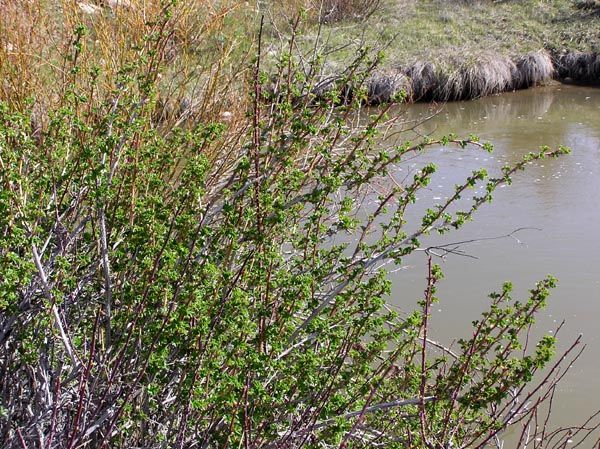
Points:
[557,201]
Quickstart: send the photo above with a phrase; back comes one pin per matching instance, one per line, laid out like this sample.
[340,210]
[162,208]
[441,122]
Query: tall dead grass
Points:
[30,36]
[475,77]
[201,56]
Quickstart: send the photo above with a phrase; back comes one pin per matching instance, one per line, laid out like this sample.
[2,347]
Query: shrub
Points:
[219,282]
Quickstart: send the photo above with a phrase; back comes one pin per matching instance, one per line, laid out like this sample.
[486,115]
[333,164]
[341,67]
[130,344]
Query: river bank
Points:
[478,76]
[443,51]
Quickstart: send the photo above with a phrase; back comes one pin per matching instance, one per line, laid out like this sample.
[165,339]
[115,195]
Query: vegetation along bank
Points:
[442,51]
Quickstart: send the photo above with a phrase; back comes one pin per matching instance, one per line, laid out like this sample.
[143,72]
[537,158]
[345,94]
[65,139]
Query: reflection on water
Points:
[561,197]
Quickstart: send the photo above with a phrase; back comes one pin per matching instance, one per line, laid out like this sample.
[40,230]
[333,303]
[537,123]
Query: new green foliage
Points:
[218,284]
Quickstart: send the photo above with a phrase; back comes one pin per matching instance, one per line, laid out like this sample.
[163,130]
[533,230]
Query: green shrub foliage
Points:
[223,284]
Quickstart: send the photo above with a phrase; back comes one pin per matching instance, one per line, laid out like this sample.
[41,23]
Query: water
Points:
[558,197]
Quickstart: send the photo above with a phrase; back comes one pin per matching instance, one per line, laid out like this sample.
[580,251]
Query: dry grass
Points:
[579,67]
[200,58]
[423,79]
[476,77]
[338,10]
[458,78]
[461,77]
[533,69]
[387,86]
[30,36]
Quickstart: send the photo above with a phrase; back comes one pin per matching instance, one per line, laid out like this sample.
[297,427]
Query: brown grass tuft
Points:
[461,78]
[579,67]
[384,87]
[533,69]
[476,77]
[423,80]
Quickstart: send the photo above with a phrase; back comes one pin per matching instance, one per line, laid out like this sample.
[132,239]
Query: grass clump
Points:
[533,69]
[476,77]
[386,87]
[580,67]
[462,77]
[424,80]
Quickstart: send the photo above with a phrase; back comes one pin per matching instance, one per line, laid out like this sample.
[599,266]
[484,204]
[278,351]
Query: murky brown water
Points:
[561,197]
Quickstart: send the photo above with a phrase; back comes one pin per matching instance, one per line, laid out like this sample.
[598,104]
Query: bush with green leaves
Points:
[223,284]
